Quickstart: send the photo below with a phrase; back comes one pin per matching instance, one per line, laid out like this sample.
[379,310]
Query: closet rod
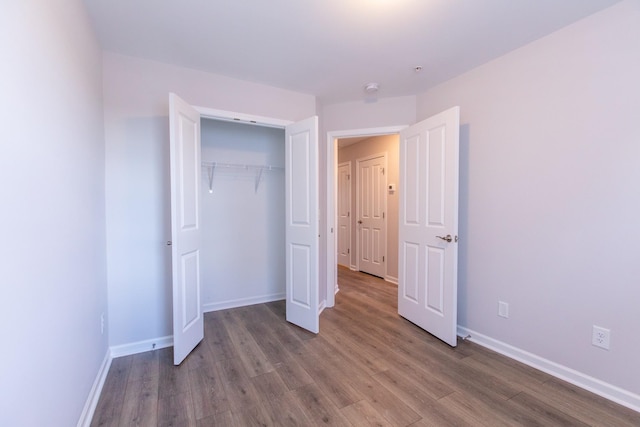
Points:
[242,166]
[260,169]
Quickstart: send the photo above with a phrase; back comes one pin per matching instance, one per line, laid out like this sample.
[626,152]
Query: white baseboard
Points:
[94,394]
[354,268]
[391,279]
[322,306]
[242,302]
[163,342]
[594,385]
[141,346]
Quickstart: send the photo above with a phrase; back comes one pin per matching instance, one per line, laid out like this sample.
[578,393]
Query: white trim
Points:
[242,302]
[386,130]
[331,210]
[594,385]
[212,113]
[353,267]
[94,395]
[141,346]
[347,163]
[391,279]
[321,306]
[332,193]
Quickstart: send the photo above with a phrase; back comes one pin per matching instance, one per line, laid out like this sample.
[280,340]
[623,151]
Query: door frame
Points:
[331,212]
[225,115]
[212,113]
[385,156]
[347,163]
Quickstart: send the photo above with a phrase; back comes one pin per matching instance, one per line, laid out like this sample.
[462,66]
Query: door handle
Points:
[446,238]
[169,243]
[359,221]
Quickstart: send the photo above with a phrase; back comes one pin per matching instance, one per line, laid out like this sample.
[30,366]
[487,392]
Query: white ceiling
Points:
[331,48]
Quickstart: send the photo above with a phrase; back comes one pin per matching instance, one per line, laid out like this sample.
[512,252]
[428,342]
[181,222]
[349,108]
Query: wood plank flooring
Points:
[367,367]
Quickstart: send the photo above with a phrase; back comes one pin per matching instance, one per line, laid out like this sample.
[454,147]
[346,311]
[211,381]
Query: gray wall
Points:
[52,261]
[549,199]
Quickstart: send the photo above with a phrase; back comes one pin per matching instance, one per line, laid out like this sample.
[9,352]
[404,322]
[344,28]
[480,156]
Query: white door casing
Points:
[427,291]
[188,325]
[344,214]
[371,207]
[302,223]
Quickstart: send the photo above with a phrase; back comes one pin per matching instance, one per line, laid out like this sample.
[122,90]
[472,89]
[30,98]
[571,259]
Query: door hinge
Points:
[382,171]
[382,258]
[348,250]
[348,214]
[382,215]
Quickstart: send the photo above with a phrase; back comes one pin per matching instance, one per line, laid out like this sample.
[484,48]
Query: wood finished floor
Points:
[367,367]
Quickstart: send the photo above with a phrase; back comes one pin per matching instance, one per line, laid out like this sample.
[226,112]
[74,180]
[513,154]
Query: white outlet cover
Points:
[601,337]
[503,309]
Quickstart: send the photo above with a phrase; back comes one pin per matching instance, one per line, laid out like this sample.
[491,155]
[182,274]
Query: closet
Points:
[243,214]
[250,232]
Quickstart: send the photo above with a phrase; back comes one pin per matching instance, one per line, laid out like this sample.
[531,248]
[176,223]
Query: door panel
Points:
[436,178]
[188,325]
[372,233]
[344,214]
[435,280]
[411,269]
[427,291]
[302,240]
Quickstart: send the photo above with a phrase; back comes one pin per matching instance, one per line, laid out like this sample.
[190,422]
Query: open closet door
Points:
[428,229]
[302,240]
[188,325]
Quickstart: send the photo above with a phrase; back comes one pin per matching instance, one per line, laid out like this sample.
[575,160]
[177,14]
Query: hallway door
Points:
[344,214]
[372,205]
[428,229]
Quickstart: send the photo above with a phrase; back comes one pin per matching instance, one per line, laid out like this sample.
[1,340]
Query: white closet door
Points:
[302,239]
[428,229]
[188,325]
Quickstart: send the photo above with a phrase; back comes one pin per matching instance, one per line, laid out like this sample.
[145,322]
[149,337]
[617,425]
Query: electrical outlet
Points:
[601,337]
[503,309]
[102,323]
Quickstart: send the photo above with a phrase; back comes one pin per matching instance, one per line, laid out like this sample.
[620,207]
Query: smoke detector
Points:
[371,87]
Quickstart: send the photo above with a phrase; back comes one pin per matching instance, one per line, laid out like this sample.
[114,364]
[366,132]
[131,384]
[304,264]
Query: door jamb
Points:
[212,113]
[347,163]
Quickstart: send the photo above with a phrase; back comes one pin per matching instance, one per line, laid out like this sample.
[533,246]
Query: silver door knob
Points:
[446,238]
[168,242]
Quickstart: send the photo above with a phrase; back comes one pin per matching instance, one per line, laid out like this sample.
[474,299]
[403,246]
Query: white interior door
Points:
[302,223]
[372,203]
[428,229]
[344,214]
[188,325]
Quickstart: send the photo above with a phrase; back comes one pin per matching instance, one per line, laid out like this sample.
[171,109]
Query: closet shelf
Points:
[257,169]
